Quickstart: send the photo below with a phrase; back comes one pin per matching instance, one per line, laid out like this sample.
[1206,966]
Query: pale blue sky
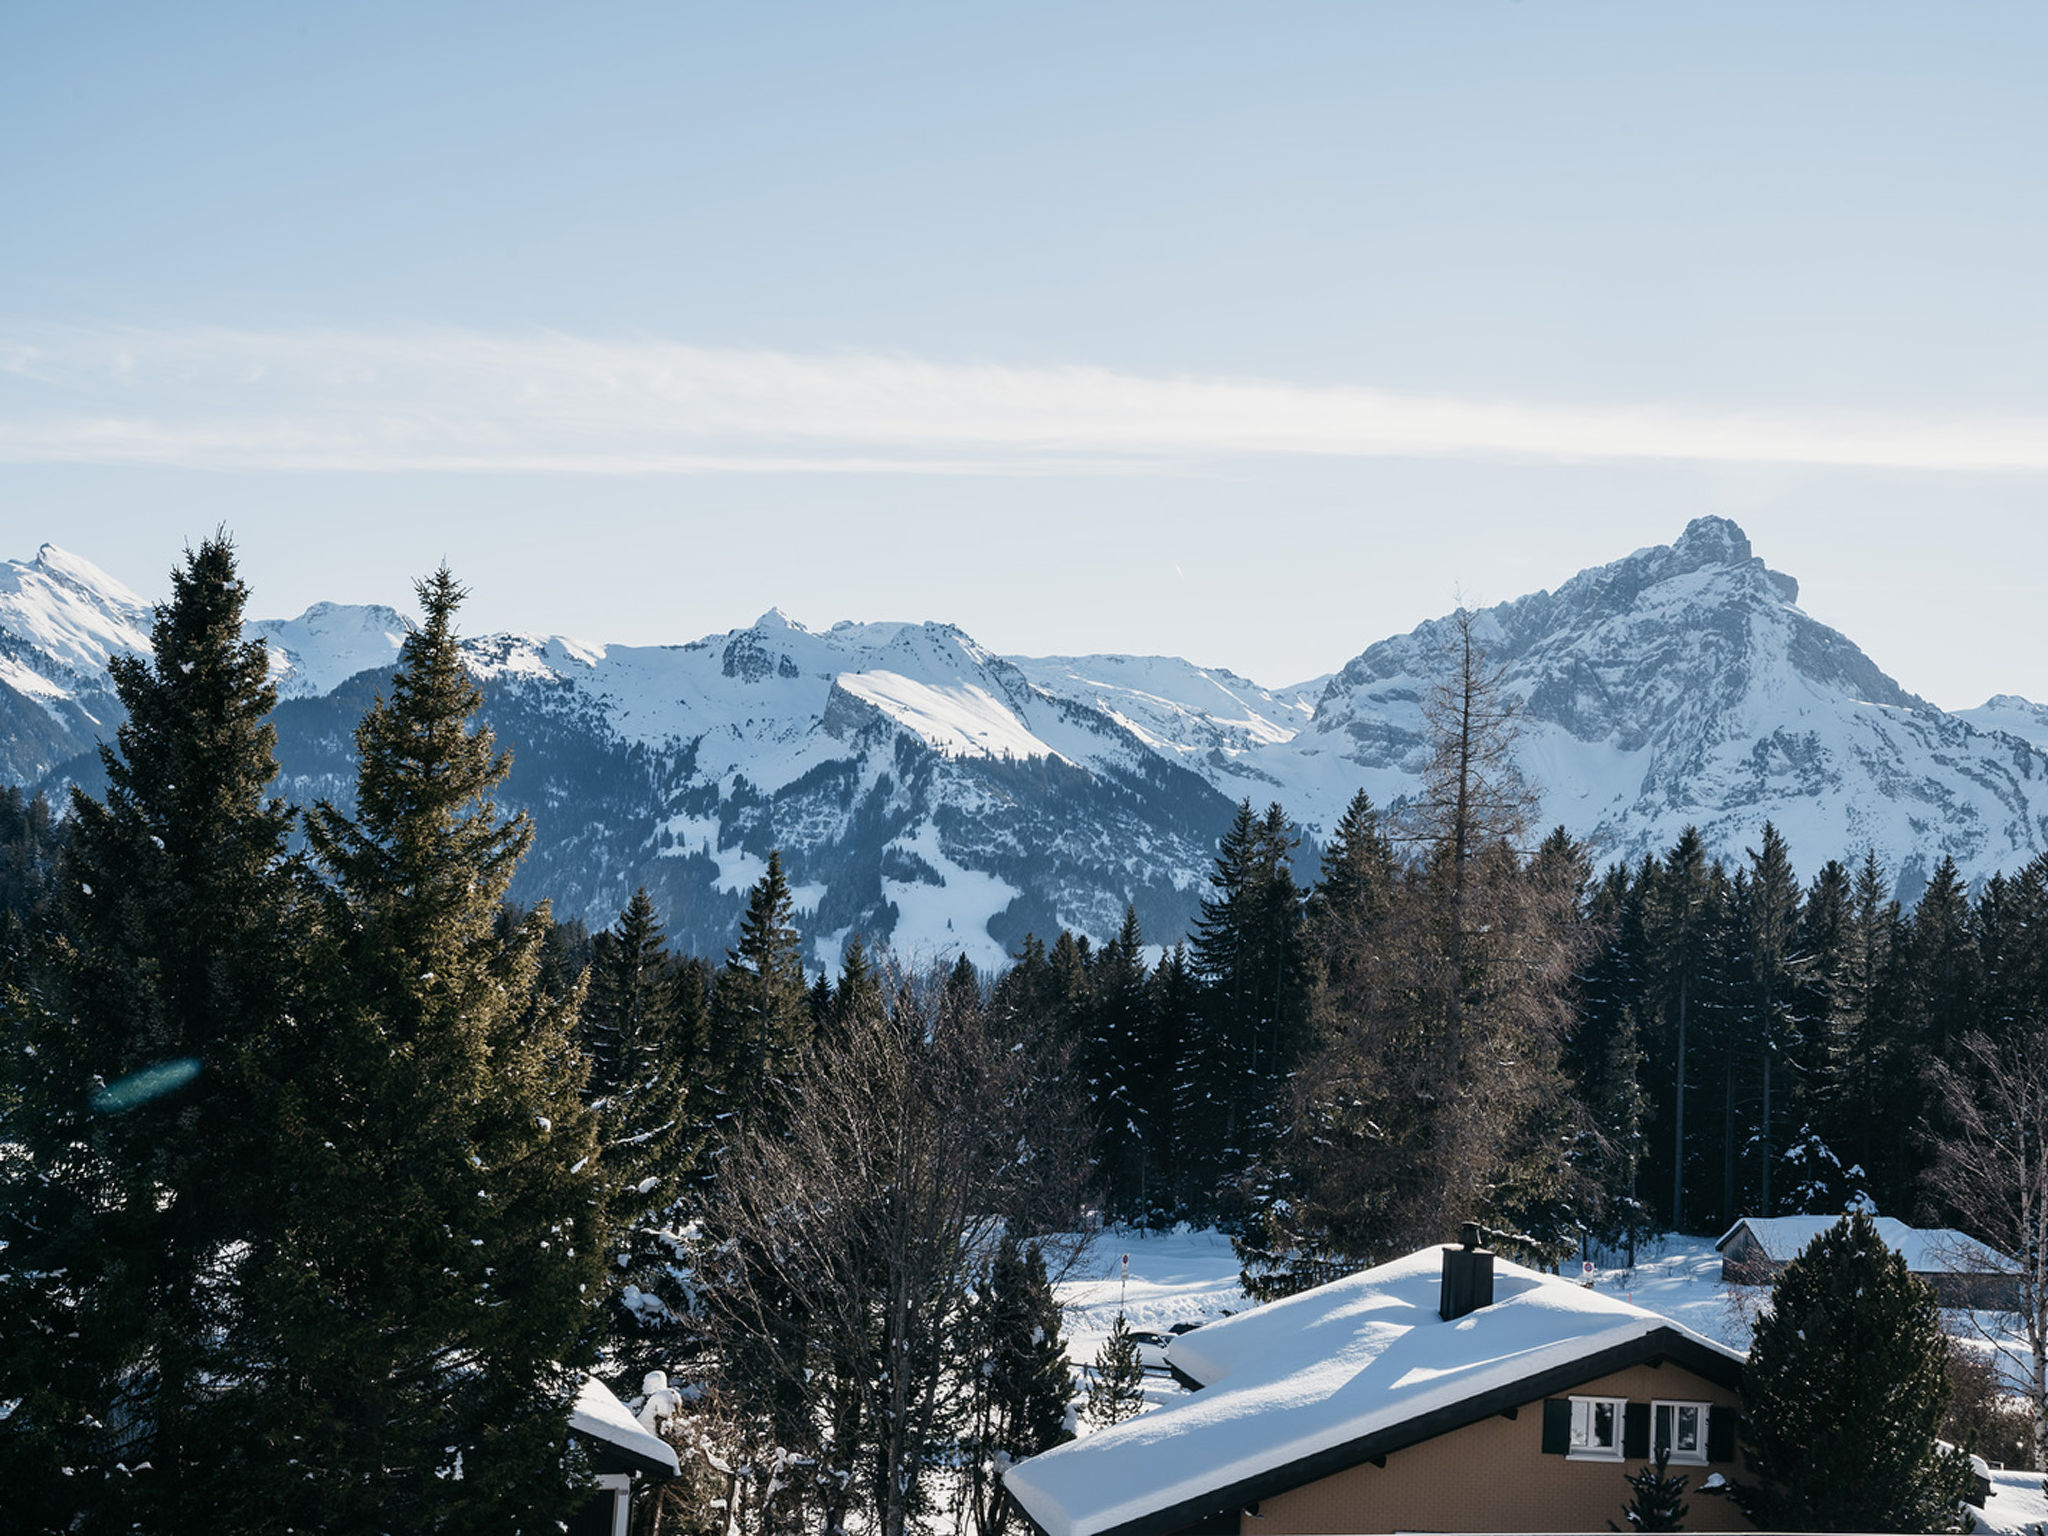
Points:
[1248,332]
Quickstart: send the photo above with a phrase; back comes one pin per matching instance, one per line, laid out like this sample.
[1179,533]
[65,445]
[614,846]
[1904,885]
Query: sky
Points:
[1251,333]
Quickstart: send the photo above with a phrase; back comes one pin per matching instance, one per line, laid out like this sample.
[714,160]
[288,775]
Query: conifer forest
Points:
[327,1171]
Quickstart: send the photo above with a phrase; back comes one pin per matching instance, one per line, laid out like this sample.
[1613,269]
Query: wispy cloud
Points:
[465,400]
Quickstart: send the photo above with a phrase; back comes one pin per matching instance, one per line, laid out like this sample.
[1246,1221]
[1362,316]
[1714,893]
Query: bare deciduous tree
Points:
[1992,1167]
[845,1237]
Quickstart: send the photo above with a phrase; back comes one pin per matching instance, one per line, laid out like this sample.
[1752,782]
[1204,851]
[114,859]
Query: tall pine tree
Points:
[446,1265]
[140,1106]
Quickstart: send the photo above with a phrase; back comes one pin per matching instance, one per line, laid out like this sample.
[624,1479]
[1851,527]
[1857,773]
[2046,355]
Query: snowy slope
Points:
[922,791]
[61,618]
[2010,713]
[328,644]
[1680,685]
[1210,719]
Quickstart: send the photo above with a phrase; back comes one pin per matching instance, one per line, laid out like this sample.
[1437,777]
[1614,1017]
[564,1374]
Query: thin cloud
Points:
[475,401]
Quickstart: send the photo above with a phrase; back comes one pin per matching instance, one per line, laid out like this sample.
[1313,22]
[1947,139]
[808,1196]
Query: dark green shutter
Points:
[1557,1426]
[1720,1434]
[1635,1432]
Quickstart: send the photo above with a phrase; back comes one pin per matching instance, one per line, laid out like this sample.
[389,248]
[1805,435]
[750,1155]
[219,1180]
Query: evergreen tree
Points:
[1604,1058]
[645,1048]
[1176,1017]
[1117,1390]
[1119,1058]
[1844,1392]
[760,1013]
[447,1249]
[859,993]
[139,1106]
[1678,926]
[1656,1497]
[1024,1391]
[1775,963]
[1249,954]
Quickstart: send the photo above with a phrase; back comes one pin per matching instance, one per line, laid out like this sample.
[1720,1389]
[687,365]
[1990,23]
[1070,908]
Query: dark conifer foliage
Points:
[1021,1396]
[436,1294]
[1248,950]
[1844,1393]
[139,1100]
[760,1008]
[644,1032]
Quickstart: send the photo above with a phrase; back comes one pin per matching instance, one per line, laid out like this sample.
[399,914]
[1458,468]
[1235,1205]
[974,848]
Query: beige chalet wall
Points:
[1493,1476]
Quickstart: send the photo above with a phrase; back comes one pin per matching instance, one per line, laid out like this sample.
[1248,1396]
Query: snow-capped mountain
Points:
[327,645]
[2010,713]
[921,790]
[929,793]
[1684,685]
[60,621]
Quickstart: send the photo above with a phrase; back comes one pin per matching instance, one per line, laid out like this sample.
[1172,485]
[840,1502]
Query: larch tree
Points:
[447,1264]
[140,1096]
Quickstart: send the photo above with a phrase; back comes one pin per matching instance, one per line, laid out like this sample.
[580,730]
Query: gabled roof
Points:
[599,1415]
[1304,1387]
[1926,1250]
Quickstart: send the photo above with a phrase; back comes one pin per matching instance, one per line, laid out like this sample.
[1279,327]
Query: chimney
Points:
[1468,1275]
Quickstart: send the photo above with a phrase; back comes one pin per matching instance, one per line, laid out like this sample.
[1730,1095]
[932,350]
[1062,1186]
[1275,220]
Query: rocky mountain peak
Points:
[1711,541]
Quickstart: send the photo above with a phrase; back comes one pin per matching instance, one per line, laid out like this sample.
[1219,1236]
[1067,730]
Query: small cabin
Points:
[1445,1391]
[1962,1271]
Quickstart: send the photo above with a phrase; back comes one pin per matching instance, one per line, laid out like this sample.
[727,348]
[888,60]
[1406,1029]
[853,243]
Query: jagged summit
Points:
[1683,684]
[1711,541]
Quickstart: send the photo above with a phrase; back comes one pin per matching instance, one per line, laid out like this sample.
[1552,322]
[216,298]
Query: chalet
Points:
[1446,1390]
[621,1447]
[1963,1272]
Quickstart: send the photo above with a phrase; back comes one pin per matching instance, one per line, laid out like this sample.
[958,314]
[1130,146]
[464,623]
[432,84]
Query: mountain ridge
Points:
[927,791]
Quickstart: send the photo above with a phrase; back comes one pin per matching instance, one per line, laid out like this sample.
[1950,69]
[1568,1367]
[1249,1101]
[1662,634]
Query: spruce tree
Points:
[1023,1392]
[1677,933]
[645,1047]
[140,1100]
[1656,1497]
[760,1014]
[446,1264]
[1844,1392]
[1120,1060]
[1117,1390]
[1776,963]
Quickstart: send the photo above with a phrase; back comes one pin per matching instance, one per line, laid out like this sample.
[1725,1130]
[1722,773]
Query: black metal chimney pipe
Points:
[1468,1276]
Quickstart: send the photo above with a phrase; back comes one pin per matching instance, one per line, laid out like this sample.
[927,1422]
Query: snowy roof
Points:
[1302,1387]
[1926,1250]
[601,1416]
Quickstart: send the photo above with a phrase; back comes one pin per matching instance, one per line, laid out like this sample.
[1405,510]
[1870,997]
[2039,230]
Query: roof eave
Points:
[1655,1346]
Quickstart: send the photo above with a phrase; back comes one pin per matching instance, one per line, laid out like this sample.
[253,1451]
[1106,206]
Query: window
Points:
[1596,1428]
[1682,1428]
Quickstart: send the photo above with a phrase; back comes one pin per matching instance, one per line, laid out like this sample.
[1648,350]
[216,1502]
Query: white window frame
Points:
[1697,1456]
[620,1486]
[1581,1445]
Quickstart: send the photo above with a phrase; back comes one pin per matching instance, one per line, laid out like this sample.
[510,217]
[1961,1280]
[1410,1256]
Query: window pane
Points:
[1603,1425]
[1688,1429]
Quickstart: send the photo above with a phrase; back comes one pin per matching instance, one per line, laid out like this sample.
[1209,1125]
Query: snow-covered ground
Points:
[1188,1276]
[1180,1276]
